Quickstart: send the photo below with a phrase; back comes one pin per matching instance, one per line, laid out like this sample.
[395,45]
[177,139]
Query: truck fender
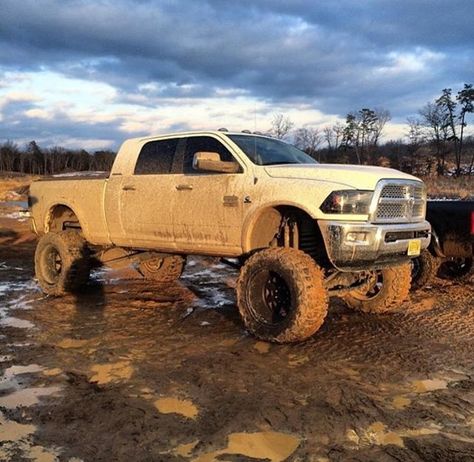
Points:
[271,217]
[50,210]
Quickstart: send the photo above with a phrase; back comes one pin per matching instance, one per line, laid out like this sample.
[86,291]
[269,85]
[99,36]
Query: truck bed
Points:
[76,176]
[83,194]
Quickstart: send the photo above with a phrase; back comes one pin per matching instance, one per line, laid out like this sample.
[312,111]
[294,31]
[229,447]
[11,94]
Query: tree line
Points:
[34,160]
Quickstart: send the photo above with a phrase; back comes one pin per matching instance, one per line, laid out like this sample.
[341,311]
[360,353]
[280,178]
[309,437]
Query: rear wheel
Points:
[281,295]
[163,269]
[62,262]
[383,292]
[424,269]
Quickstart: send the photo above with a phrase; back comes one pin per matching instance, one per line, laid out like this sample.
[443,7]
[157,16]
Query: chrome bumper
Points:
[356,246]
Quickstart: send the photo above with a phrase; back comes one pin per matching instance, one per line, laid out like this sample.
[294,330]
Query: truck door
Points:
[208,205]
[146,197]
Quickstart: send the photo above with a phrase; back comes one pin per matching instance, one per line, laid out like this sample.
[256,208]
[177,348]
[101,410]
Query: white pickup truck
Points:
[301,231]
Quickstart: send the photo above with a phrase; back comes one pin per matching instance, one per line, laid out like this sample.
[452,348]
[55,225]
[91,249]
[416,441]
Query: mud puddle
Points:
[272,446]
[171,405]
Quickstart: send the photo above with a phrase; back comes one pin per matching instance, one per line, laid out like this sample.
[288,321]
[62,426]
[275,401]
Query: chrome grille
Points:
[400,202]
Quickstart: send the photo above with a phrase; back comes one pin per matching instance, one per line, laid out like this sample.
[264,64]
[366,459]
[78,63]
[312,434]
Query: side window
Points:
[156,157]
[203,143]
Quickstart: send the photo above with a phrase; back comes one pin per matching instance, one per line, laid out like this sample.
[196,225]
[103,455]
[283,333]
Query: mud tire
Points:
[62,262]
[307,298]
[424,269]
[396,282]
[163,269]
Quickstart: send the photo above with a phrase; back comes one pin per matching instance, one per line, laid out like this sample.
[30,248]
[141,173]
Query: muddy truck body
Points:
[451,247]
[300,231]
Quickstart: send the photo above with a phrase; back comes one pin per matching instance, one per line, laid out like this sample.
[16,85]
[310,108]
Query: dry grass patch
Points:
[450,188]
[15,187]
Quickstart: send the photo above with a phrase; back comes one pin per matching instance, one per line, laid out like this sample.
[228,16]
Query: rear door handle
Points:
[128,188]
[184,187]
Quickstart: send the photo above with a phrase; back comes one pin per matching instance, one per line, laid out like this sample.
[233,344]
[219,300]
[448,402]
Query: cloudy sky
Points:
[83,73]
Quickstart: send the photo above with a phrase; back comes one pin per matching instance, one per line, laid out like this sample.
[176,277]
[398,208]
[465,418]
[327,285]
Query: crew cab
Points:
[300,230]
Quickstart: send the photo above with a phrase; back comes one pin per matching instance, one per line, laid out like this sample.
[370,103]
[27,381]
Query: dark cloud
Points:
[336,56]
[58,128]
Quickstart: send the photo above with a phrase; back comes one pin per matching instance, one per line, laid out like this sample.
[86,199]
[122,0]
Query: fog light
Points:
[356,237]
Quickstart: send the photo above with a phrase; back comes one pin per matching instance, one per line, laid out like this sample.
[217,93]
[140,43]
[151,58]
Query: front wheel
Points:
[424,269]
[383,292]
[62,262]
[281,295]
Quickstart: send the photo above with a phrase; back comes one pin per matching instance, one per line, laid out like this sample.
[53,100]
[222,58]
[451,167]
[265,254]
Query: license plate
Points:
[414,247]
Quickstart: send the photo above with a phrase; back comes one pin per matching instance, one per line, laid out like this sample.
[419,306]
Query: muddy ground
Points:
[133,371]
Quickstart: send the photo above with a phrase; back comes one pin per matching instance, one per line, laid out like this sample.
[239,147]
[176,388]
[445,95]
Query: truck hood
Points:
[353,176]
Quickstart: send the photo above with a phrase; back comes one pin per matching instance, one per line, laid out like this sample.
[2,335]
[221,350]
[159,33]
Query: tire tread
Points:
[312,294]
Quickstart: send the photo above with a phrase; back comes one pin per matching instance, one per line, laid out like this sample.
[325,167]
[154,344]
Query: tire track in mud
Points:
[364,387]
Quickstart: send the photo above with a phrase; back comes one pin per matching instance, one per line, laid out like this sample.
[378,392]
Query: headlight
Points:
[349,201]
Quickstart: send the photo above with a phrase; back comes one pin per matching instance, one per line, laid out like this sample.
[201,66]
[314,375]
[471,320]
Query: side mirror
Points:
[211,162]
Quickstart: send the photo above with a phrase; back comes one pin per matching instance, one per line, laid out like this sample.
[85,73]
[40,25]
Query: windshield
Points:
[268,151]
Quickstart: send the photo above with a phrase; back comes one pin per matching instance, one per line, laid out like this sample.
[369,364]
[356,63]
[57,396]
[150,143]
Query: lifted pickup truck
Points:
[301,231]
[452,242]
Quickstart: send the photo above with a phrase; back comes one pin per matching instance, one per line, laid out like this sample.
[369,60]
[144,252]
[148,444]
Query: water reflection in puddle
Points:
[26,396]
[15,437]
[270,445]
[105,373]
[14,431]
[183,407]
[12,379]
[10,376]
[422,386]
[10,321]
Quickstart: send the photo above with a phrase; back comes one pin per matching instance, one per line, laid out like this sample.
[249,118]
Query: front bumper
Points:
[356,246]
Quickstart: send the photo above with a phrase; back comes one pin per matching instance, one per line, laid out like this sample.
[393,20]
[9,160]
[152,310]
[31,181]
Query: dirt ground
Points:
[133,371]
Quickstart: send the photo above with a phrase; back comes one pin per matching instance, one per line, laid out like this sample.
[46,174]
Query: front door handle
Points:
[184,187]
[128,187]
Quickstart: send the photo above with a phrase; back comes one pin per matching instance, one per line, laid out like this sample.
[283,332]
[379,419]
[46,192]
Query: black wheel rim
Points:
[52,264]
[270,298]
[372,288]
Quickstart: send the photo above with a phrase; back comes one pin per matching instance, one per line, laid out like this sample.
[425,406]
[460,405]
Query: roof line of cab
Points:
[196,132]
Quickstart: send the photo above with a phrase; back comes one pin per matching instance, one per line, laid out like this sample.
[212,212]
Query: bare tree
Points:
[434,118]
[309,139]
[382,116]
[465,98]
[416,138]
[281,126]
[447,106]
[333,136]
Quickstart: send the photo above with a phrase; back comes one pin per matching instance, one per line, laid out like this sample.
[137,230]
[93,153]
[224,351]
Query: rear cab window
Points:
[156,157]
